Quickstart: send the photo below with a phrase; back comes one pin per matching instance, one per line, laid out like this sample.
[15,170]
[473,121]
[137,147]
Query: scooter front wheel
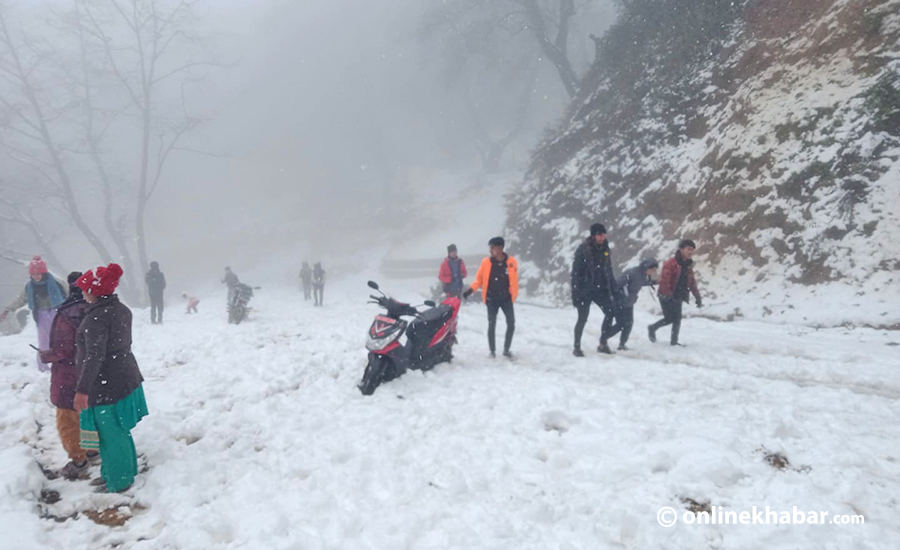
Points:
[374,374]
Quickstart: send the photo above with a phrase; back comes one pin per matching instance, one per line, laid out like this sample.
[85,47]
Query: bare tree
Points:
[151,47]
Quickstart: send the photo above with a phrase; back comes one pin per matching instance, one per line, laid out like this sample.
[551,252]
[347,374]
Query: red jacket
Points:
[62,354]
[669,279]
[446,276]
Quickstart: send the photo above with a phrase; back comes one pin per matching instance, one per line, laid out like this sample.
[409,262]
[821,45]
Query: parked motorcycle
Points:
[429,339]
[238,303]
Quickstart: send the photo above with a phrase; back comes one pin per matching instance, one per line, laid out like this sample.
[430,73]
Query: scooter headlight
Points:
[375,344]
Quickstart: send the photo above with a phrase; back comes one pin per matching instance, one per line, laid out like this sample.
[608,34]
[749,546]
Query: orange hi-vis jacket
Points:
[483,277]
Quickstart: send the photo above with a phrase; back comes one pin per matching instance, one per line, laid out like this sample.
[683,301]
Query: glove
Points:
[699,303]
[468,293]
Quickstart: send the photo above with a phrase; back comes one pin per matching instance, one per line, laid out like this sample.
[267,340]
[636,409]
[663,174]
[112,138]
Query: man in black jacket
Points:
[593,282]
[156,284]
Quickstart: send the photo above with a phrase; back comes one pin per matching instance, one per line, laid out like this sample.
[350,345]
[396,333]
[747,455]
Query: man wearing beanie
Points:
[61,354]
[453,272]
[43,294]
[676,284]
[593,282]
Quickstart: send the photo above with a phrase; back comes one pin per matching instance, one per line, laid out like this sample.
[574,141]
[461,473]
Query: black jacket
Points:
[592,273]
[156,282]
[107,370]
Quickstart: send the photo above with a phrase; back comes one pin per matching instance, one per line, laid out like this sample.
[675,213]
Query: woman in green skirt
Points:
[109,394]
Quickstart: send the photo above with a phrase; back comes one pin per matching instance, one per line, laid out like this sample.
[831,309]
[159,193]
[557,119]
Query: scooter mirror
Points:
[429,303]
[373,285]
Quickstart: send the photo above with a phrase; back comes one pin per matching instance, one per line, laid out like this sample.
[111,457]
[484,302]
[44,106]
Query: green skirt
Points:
[129,411]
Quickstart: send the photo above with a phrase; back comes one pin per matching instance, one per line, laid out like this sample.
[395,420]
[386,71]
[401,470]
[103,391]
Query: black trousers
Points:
[584,312]
[319,294]
[671,316]
[157,305]
[624,317]
[494,307]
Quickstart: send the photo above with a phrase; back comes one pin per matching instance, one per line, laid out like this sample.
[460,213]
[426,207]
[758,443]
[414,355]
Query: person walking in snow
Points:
[676,283]
[61,353]
[231,281]
[156,285]
[593,283]
[628,286]
[192,303]
[109,391]
[453,272]
[319,285]
[43,294]
[498,278]
[306,277]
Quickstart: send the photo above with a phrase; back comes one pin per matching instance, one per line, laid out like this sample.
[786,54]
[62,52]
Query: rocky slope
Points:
[768,131]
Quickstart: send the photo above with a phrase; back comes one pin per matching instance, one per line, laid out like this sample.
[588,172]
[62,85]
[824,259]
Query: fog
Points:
[313,125]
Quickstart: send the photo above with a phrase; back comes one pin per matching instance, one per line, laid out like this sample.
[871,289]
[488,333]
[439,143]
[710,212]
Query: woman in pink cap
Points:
[43,294]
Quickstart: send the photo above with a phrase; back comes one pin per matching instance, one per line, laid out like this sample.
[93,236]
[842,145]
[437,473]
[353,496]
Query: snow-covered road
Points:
[258,437]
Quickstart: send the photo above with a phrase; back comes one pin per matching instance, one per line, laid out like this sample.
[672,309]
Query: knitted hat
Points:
[37,266]
[598,229]
[104,283]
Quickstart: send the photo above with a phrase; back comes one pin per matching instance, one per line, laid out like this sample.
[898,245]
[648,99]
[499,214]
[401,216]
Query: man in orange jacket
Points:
[498,277]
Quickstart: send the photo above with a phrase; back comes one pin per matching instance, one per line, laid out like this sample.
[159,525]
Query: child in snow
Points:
[676,284]
[43,294]
[629,286]
[109,392]
[192,303]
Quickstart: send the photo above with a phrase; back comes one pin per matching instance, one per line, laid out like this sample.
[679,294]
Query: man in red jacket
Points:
[453,272]
[676,283]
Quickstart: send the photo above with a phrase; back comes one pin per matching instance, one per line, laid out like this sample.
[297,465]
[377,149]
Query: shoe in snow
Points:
[651,333]
[99,482]
[74,472]
[493,355]
[93,458]
[508,354]
[578,352]
[623,347]
[604,348]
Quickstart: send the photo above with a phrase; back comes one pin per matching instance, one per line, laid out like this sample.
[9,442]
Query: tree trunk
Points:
[556,51]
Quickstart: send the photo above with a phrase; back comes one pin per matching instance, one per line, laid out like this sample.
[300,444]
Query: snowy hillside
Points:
[766,130]
[258,438]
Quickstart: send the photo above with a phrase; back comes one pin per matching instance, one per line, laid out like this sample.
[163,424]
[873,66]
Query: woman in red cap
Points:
[109,394]
[43,294]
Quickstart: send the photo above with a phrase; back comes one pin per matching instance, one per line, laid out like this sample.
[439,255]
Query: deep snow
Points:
[258,437]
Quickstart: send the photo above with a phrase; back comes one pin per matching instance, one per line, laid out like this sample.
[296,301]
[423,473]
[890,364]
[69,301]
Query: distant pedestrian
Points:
[43,294]
[62,353]
[676,283]
[498,277]
[109,391]
[306,277]
[192,302]
[232,281]
[453,272]
[319,285]
[593,282]
[156,285]
[629,286]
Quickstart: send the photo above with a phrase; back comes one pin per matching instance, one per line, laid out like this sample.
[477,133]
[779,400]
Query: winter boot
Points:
[623,347]
[651,333]
[73,471]
[508,354]
[578,352]
[604,348]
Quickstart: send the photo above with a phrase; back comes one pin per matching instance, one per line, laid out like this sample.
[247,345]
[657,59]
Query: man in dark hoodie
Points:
[676,284]
[629,286]
[61,354]
[156,284]
[593,282]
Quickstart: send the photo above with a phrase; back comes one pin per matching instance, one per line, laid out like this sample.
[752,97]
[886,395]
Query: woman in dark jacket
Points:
[109,392]
[62,377]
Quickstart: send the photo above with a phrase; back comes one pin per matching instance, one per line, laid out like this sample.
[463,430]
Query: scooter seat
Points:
[440,314]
